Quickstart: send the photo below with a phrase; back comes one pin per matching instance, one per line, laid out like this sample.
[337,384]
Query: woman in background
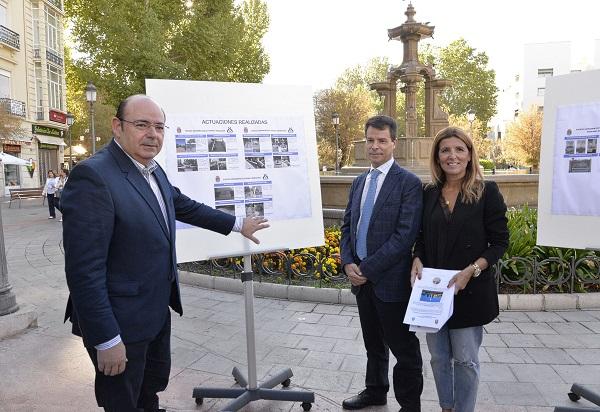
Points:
[49,190]
[61,180]
[465,229]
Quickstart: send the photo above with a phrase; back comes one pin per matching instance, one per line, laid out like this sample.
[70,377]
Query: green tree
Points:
[354,107]
[473,83]
[125,42]
[524,137]
[79,107]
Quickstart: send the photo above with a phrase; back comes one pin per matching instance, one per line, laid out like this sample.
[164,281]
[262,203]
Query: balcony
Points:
[9,38]
[13,107]
[54,58]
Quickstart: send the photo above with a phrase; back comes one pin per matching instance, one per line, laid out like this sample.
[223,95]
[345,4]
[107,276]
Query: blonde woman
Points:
[465,229]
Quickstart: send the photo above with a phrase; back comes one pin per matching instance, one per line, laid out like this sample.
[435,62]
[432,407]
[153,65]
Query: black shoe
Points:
[362,400]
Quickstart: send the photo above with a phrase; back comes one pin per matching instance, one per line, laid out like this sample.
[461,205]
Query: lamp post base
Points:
[8,301]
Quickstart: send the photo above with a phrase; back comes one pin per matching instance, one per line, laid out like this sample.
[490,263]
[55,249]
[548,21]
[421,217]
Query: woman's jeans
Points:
[455,365]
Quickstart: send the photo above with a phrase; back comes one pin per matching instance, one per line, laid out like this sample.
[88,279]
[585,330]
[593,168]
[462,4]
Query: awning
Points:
[57,141]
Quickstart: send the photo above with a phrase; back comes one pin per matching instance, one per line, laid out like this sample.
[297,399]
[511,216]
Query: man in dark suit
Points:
[120,263]
[380,225]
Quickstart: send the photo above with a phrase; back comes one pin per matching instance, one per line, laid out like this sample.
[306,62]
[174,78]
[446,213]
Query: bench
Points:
[18,194]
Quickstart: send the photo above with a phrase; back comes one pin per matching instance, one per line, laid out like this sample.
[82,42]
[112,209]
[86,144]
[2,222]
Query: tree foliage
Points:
[524,137]
[354,108]
[79,107]
[125,42]
[473,83]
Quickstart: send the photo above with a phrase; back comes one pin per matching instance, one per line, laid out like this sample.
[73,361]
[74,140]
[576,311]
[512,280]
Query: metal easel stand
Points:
[249,390]
[577,392]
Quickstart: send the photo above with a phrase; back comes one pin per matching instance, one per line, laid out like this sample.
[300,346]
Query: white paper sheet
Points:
[431,301]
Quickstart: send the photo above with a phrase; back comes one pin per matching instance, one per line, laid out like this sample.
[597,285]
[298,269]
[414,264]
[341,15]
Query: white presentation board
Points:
[248,150]
[569,185]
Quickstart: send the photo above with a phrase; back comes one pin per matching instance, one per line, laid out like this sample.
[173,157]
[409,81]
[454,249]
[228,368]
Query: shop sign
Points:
[12,148]
[58,117]
[45,130]
[48,146]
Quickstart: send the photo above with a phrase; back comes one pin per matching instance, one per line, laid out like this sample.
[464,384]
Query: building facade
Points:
[32,88]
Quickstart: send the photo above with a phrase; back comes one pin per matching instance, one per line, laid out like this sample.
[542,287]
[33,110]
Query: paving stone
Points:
[341,332]
[521,341]
[310,329]
[314,343]
[544,317]
[501,327]
[516,393]
[336,320]
[569,328]
[301,306]
[492,340]
[561,341]
[550,356]
[492,372]
[513,316]
[535,327]
[329,380]
[286,356]
[594,313]
[305,317]
[535,373]
[353,363]
[328,309]
[508,355]
[594,326]
[576,316]
[589,341]
[350,347]
[583,374]
[585,357]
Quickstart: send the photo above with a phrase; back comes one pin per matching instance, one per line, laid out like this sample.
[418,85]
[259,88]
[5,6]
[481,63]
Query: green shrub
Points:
[486,163]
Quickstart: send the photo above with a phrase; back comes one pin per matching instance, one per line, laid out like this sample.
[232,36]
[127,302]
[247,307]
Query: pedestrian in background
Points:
[465,229]
[61,180]
[49,191]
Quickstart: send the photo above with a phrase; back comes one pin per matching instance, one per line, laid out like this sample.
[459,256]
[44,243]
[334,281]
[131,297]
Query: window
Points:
[4,83]
[52,31]
[541,91]
[39,92]
[36,27]
[54,87]
[3,14]
[545,72]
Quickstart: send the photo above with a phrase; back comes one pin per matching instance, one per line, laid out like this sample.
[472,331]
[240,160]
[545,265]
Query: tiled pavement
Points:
[529,358]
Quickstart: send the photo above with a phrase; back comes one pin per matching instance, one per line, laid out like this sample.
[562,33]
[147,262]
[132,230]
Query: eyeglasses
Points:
[144,126]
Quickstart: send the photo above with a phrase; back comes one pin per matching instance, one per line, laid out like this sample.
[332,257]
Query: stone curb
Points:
[524,302]
[17,322]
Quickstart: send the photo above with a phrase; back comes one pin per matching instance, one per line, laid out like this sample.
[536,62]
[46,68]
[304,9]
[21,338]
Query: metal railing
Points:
[13,107]
[9,37]
[514,275]
[54,58]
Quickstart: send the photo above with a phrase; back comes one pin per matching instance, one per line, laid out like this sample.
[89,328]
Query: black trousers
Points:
[383,330]
[51,204]
[146,374]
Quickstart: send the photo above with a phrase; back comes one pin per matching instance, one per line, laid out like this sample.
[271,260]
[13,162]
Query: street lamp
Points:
[90,96]
[471,119]
[335,121]
[70,121]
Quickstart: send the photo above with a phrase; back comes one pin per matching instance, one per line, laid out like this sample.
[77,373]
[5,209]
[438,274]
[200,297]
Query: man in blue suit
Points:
[120,263]
[380,226]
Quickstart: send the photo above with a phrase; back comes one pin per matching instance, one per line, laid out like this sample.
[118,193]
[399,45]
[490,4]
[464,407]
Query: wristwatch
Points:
[477,269]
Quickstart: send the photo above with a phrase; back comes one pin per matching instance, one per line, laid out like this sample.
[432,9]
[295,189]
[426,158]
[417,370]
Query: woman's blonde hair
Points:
[472,183]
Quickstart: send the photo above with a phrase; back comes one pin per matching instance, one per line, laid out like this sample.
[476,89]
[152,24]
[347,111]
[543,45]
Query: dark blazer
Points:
[120,258]
[476,230]
[392,231]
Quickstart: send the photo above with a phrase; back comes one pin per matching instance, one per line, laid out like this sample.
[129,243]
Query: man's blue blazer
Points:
[393,228]
[120,258]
